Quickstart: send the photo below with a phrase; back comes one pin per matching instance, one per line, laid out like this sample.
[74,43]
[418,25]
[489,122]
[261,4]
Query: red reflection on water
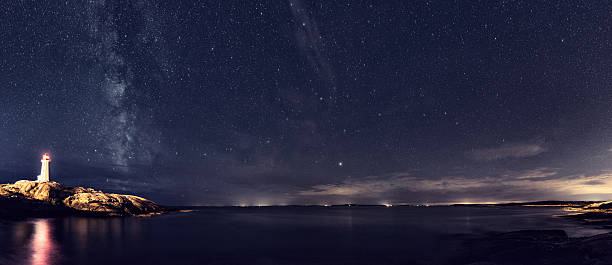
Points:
[42,246]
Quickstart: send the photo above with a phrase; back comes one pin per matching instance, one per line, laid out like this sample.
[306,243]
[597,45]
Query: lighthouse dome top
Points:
[46,157]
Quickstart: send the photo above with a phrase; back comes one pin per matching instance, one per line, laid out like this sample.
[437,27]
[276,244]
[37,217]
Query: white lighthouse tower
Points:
[44,170]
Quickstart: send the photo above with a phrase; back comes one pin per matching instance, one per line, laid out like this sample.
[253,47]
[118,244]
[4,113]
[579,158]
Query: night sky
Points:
[310,102]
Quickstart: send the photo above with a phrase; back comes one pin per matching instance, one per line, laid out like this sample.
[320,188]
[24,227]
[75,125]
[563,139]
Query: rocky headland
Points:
[27,198]
[599,213]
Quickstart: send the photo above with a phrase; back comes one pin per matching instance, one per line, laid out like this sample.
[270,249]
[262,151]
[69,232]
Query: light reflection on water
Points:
[265,235]
[43,248]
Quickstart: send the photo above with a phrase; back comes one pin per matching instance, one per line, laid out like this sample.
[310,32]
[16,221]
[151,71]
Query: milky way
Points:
[124,140]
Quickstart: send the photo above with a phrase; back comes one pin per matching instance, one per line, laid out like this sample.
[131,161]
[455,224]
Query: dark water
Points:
[268,235]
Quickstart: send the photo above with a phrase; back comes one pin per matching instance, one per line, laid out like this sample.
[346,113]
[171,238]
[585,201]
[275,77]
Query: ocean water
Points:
[271,235]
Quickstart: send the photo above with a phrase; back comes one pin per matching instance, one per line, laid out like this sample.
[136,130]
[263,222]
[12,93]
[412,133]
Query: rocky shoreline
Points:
[599,213]
[543,246]
[27,198]
[535,247]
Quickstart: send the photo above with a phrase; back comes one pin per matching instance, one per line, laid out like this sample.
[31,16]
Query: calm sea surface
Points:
[271,235]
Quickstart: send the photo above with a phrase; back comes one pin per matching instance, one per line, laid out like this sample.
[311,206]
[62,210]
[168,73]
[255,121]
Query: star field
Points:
[300,102]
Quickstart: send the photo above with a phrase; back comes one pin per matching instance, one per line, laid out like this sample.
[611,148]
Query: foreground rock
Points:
[536,247]
[32,199]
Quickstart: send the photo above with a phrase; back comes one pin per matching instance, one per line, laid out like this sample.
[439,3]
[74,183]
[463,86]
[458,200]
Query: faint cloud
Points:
[594,182]
[537,182]
[377,185]
[126,185]
[508,150]
[577,185]
[536,174]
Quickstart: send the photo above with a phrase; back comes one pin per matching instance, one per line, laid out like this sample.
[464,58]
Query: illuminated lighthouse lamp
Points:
[44,170]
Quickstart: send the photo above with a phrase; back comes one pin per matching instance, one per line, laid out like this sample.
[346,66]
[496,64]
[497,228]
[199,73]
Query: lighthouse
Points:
[44,169]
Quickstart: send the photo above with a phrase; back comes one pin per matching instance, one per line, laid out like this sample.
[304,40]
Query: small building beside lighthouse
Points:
[44,170]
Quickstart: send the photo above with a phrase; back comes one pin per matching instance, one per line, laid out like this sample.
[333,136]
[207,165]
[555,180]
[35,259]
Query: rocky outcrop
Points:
[599,213]
[603,206]
[51,192]
[34,198]
[536,247]
[114,204]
